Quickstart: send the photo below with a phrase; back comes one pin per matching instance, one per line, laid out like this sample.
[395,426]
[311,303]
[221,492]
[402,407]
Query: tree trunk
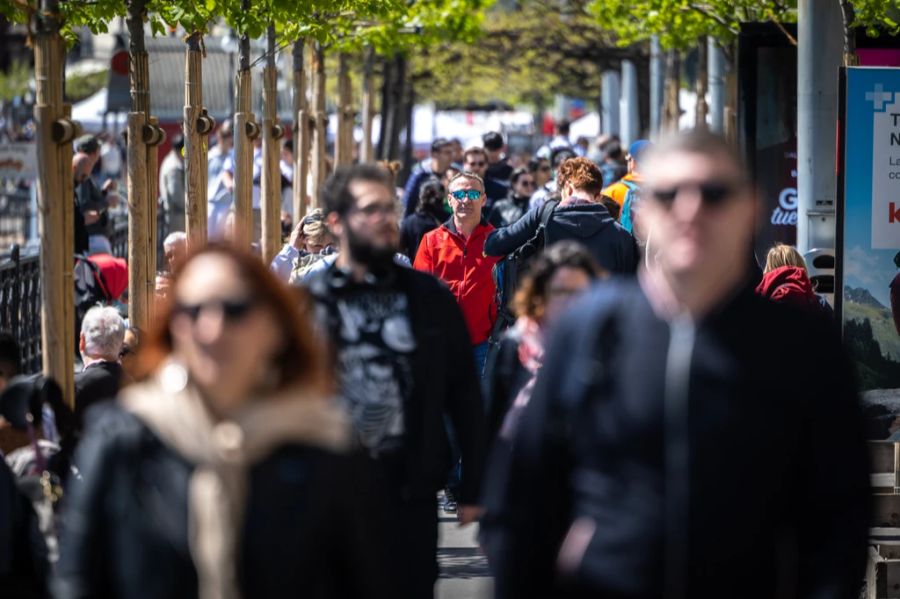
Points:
[702,85]
[245,131]
[270,193]
[319,166]
[387,81]
[396,115]
[197,126]
[409,101]
[343,142]
[366,153]
[849,15]
[140,133]
[301,134]
[55,203]
[672,109]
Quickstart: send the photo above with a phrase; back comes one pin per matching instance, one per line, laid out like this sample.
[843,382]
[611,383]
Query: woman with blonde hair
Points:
[227,472]
[786,280]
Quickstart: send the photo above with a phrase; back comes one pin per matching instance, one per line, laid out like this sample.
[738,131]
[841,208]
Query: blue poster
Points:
[871,249]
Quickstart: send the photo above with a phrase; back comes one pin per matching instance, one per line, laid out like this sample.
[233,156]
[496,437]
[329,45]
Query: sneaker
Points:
[449,503]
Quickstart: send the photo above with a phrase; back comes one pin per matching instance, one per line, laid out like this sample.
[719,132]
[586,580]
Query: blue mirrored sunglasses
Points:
[463,195]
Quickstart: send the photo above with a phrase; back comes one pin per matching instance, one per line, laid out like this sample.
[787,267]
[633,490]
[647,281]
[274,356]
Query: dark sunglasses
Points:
[712,193]
[526,183]
[545,168]
[231,310]
[462,195]
[475,164]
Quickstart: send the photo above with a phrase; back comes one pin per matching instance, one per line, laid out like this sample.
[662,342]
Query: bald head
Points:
[81,166]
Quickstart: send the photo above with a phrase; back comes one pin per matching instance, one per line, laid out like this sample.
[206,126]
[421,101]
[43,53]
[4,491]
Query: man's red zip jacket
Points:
[462,265]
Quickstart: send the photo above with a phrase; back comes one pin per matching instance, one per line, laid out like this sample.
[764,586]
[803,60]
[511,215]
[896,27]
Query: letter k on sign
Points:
[893,213]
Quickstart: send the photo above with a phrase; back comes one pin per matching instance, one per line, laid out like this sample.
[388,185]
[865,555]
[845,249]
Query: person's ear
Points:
[335,224]
[81,343]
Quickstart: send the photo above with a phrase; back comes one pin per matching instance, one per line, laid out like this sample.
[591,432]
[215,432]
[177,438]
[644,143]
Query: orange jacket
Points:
[619,190]
[462,265]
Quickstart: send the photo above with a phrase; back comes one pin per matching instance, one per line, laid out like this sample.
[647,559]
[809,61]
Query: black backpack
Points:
[508,273]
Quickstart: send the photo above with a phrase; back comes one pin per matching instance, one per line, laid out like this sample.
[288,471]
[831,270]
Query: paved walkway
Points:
[464,570]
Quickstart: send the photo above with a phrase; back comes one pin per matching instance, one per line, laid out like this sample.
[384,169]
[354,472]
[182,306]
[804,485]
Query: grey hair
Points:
[104,332]
[173,238]
[466,175]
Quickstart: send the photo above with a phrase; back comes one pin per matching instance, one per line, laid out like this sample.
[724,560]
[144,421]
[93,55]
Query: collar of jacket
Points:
[451,226]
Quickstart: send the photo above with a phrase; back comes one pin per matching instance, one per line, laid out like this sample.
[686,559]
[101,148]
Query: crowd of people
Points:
[577,350]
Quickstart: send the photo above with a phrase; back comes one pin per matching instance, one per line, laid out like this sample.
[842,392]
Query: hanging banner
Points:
[869,223]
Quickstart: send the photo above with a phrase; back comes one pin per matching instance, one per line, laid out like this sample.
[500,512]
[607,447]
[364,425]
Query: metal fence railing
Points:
[20,304]
[20,288]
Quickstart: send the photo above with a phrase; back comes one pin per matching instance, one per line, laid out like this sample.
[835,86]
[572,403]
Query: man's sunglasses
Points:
[462,195]
[231,310]
[712,193]
[471,165]
[526,183]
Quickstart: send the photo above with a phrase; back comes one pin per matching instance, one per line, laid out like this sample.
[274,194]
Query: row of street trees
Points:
[389,29]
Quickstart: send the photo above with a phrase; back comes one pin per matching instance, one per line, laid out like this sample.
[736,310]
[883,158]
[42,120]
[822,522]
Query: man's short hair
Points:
[439,144]
[225,129]
[103,330]
[492,141]
[560,155]
[466,175]
[582,174]
[697,141]
[474,150]
[336,196]
[178,142]
[288,145]
[562,127]
[87,144]
[173,238]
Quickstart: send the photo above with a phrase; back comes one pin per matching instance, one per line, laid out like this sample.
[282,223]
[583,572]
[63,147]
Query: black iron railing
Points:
[20,304]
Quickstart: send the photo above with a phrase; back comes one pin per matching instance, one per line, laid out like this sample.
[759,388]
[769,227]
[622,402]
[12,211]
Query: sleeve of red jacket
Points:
[424,261]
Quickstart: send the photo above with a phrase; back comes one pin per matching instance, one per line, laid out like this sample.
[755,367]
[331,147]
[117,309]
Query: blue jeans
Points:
[481,352]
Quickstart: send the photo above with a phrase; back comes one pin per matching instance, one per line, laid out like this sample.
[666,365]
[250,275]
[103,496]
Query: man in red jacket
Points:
[454,252]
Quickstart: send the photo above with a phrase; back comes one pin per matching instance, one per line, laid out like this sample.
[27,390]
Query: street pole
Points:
[318,166]
[820,40]
[716,74]
[629,107]
[657,84]
[610,93]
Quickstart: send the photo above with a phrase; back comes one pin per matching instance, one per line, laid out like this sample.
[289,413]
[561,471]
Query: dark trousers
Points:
[412,542]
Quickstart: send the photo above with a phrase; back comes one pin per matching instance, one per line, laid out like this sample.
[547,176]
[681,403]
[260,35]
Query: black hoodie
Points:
[589,224]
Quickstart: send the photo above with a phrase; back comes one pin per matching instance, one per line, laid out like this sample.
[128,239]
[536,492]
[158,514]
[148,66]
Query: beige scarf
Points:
[222,452]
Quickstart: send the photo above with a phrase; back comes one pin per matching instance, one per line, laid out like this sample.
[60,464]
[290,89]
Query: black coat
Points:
[306,530]
[97,382]
[444,382]
[413,229]
[762,483]
[504,377]
[508,210]
[589,224]
[23,553]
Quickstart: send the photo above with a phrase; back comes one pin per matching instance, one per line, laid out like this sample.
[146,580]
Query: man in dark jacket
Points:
[102,335]
[441,157]
[579,217]
[686,436]
[403,362]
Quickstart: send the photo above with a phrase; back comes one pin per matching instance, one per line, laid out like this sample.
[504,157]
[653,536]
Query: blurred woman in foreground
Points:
[225,473]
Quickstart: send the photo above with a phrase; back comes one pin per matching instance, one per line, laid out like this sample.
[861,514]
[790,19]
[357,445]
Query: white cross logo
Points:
[879,97]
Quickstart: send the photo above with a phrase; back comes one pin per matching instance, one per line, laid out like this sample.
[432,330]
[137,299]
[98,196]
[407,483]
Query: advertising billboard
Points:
[868,265]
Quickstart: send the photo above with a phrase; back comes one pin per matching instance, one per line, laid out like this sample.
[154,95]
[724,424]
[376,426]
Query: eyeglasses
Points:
[526,183]
[231,310]
[544,168]
[463,195]
[712,193]
[382,208]
[471,165]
